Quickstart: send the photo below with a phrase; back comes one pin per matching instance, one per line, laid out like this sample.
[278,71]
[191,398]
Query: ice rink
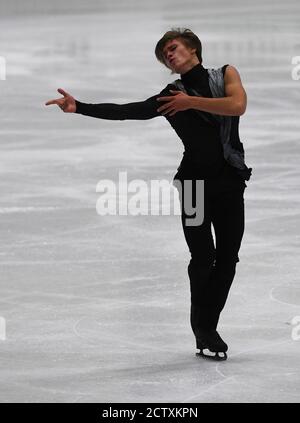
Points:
[96,308]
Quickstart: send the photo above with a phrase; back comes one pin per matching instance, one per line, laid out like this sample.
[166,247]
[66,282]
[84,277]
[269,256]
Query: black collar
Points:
[195,76]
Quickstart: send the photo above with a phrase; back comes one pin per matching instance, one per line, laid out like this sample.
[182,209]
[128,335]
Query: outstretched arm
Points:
[234,104]
[140,110]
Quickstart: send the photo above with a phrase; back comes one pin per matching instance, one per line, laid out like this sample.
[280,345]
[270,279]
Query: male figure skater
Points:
[203,107]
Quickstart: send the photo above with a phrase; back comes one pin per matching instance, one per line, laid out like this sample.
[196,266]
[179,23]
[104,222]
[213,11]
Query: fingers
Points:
[61,103]
[166,109]
[164,98]
[55,101]
[169,112]
[166,106]
[161,108]
[58,101]
[62,92]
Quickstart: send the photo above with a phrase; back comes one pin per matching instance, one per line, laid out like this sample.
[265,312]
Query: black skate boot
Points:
[211,340]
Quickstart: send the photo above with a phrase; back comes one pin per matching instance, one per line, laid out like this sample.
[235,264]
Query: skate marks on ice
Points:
[288,293]
[258,371]
[199,396]
[130,343]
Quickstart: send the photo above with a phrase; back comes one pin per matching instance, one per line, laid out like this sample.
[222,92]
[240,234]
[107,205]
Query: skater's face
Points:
[179,58]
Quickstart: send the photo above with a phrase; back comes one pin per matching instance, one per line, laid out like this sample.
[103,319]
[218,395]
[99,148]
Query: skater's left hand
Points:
[178,102]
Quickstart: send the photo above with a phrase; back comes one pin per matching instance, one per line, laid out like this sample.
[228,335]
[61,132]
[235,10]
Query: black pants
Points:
[212,266]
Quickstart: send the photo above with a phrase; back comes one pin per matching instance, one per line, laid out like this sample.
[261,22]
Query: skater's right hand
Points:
[66,103]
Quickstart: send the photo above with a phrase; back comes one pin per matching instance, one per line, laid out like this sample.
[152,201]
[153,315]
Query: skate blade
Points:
[216,357]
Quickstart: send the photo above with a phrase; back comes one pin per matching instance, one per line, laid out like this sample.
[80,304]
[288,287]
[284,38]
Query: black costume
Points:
[212,267]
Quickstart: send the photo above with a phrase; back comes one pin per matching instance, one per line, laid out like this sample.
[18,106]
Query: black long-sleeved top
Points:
[203,155]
